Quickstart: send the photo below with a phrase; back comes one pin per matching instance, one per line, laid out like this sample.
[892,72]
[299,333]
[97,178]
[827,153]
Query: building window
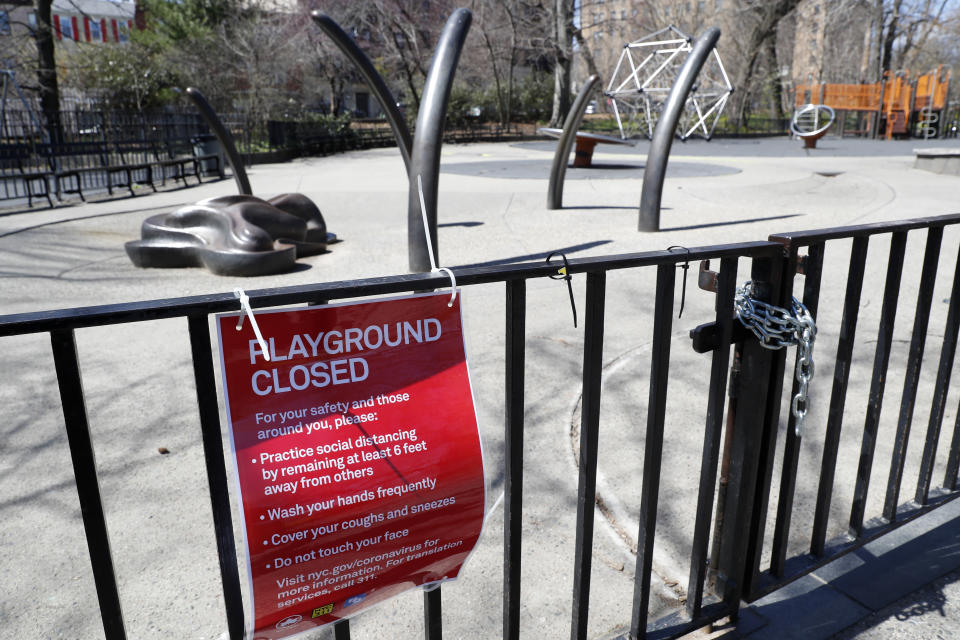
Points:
[4,23]
[32,21]
[66,28]
[95,33]
[124,33]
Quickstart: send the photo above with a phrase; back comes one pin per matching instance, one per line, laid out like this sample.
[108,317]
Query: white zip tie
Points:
[246,310]
[433,262]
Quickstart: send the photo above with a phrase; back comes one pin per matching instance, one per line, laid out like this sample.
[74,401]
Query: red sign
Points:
[357,453]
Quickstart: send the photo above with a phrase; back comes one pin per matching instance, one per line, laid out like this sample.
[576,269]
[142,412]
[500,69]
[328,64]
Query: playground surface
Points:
[492,210]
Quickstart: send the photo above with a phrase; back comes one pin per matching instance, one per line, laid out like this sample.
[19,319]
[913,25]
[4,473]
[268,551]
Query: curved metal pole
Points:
[656,168]
[374,80]
[425,158]
[560,159]
[226,140]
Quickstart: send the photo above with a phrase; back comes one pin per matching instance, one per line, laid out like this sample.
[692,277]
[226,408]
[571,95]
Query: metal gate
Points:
[729,560]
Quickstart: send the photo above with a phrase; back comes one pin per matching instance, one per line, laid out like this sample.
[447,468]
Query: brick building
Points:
[93,21]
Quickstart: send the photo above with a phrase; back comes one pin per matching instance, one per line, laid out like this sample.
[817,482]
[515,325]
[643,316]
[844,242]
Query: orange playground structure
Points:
[894,105]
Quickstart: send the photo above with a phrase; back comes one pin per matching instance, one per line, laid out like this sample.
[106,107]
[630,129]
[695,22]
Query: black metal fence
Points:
[81,125]
[729,560]
[753,125]
[89,149]
[894,511]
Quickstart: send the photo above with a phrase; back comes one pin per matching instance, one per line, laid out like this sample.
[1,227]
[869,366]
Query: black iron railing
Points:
[734,480]
[85,152]
[894,512]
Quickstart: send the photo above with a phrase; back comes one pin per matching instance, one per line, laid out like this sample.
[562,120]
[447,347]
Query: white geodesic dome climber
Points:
[644,75]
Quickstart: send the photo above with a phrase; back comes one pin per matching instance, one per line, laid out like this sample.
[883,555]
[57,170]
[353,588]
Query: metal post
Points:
[656,168]
[425,158]
[374,80]
[226,140]
[513,455]
[67,366]
[432,610]
[748,441]
[216,471]
[589,437]
[565,143]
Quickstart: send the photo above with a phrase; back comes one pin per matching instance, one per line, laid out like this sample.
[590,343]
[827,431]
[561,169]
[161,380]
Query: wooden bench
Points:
[14,166]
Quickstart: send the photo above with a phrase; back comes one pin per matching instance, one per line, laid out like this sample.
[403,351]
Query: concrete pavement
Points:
[492,210]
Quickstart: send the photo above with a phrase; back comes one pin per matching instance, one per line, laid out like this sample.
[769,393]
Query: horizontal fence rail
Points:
[734,478]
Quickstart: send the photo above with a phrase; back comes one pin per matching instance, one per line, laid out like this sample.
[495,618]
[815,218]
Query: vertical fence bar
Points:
[881,359]
[928,278]
[941,389]
[589,435]
[813,272]
[653,445]
[513,456]
[84,460]
[838,396]
[216,471]
[953,460]
[432,614]
[341,630]
[716,399]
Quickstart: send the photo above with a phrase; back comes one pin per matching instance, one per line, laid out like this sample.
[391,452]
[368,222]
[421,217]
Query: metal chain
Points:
[777,328]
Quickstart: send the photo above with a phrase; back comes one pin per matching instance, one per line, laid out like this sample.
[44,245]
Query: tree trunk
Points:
[776,86]
[770,14]
[501,98]
[889,36]
[563,33]
[587,54]
[876,48]
[47,71]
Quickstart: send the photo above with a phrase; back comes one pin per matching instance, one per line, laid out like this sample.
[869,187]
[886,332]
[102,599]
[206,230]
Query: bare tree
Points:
[334,68]
[261,55]
[510,31]
[405,33]
[563,59]
[47,70]
[760,20]
[908,28]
